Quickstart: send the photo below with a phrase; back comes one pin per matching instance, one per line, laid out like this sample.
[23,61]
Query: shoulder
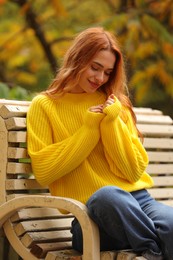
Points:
[41,100]
[41,104]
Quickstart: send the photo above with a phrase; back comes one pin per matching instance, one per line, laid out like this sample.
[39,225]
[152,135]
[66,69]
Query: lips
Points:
[94,85]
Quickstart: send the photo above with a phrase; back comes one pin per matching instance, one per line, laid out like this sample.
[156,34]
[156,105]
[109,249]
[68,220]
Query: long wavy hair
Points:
[78,57]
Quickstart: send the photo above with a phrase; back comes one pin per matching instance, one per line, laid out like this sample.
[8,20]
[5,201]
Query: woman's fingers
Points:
[109,101]
[97,109]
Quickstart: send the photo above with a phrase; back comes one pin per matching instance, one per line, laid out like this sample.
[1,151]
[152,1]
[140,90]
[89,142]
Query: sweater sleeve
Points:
[124,151]
[52,160]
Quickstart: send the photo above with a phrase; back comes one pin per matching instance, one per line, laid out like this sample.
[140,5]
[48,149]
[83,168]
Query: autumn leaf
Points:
[58,7]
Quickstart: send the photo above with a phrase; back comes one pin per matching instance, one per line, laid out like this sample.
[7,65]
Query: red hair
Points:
[85,46]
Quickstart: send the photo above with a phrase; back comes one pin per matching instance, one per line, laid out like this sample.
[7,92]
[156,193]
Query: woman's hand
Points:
[109,101]
[97,109]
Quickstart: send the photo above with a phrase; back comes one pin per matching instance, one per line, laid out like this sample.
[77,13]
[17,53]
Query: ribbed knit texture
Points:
[75,151]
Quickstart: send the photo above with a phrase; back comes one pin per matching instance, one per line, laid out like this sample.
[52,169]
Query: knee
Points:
[165,224]
[108,196]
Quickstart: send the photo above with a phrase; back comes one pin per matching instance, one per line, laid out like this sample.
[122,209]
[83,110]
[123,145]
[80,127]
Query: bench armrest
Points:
[91,246]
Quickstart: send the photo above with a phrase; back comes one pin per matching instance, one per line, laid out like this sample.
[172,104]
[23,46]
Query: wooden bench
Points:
[29,216]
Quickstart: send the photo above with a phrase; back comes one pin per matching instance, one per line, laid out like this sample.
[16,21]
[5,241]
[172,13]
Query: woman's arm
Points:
[52,160]
[123,148]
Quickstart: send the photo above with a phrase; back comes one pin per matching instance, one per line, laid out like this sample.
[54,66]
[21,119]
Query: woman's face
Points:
[97,72]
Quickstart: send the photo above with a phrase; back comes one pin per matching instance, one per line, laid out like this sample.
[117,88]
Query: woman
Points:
[84,144]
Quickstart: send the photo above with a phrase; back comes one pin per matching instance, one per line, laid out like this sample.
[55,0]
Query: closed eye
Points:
[108,73]
[95,68]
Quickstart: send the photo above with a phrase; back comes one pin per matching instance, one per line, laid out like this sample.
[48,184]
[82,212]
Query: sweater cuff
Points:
[112,111]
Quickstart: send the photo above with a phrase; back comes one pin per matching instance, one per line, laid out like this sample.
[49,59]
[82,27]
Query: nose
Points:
[99,77]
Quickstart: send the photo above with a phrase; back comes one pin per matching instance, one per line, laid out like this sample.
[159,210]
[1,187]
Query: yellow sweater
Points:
[75,152]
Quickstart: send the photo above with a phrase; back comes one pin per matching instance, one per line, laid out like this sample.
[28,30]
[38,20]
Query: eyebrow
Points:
[100,65]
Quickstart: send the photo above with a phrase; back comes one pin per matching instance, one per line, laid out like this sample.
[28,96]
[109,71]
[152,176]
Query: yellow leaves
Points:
[143,79]
[138,77]
[169,88]
[26,78]
[156,29]
[58,7]
[167,49]
[162,74]
[15,54]
[164,9]
[34,66]
[2,2]
[145,50]
[142,90]
[133,31]
[157,70]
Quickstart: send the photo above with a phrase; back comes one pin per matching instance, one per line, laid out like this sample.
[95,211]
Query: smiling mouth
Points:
[93,84]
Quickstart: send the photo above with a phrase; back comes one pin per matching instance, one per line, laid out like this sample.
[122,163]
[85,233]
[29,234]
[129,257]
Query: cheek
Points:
[106,78]
[89,73]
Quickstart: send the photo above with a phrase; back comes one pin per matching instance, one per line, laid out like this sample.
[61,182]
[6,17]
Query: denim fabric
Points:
[152,256]
[129,221]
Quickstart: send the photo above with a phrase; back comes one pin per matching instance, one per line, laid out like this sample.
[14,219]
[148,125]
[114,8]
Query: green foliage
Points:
[156,29]
[15,93]
[4,91]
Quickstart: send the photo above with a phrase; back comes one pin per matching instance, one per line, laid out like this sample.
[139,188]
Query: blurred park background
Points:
[35,34]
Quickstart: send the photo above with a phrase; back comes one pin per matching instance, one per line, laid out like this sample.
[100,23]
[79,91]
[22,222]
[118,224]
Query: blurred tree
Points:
[31,19]
[144,28]
[35,35]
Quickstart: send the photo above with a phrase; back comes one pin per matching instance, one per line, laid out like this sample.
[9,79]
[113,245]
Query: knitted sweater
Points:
[75,152]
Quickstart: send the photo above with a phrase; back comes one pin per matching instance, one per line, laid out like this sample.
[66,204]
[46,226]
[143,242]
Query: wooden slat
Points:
[126,255]
[42,225]
[160,156]
[37,192]
[19,168]
[65,255]
[22,184]
[41,250]
[161,143]
[16,123]
[17,153]
[153,119]
[74,255]
[3,160]
[7,111]
[154,130]
[168,202]
[147,111]
[160,169]
[14,102]
[37,213]
[31,238]
[163,181]
[17,136]
[164,193]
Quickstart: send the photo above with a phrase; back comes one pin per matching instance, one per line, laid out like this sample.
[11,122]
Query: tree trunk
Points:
[31,19]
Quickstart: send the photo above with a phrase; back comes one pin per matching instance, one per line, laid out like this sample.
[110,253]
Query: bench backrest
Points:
[158,141]
[41,228]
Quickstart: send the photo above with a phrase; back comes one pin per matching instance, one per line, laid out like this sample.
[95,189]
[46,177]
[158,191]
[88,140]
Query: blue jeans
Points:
[129,221]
